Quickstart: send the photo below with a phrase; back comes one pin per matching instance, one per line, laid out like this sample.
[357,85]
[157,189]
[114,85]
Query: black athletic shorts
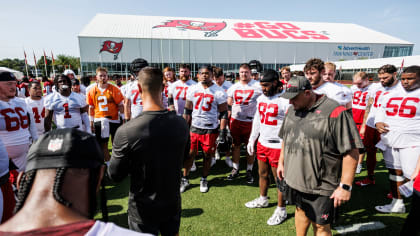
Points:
[319,209]
[169,227]
[112,129]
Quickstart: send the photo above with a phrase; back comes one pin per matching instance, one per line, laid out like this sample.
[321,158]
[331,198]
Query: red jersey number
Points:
[14,123]
[243,96]
[181,90]
[268,113]
[38,116]
[66,111]
[359,98]
[136,95]
[207,100]
[405,110]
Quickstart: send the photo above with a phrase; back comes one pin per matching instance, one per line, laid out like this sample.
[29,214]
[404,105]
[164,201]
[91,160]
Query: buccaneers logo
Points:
[210,29]
[112,47]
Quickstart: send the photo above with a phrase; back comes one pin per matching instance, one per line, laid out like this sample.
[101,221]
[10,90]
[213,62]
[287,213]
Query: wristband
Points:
[345,187]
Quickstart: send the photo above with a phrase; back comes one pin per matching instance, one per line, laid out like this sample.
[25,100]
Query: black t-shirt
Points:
[151,149]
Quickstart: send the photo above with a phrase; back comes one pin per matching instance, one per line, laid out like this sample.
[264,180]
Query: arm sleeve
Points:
[86,122]
[120,162]
[32,125]
[255,127]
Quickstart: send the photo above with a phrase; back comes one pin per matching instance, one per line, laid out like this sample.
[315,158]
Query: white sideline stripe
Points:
[359,227]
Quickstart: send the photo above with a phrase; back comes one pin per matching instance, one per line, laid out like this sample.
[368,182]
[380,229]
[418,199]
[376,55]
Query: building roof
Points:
[369,63]
[163,27]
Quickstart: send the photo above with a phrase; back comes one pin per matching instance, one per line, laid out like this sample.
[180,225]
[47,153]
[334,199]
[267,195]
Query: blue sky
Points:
[54,25]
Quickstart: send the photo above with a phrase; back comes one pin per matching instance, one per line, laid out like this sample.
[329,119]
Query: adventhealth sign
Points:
[348,51]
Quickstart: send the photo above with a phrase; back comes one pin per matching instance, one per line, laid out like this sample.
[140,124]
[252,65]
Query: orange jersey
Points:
[105,103]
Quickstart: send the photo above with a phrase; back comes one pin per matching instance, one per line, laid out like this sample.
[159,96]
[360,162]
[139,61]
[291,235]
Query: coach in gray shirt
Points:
[319,156]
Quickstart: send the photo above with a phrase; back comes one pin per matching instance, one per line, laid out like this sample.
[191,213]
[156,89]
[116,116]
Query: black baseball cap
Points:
[137,65]
[75,82]
[68,147]
[269,76]
[296,85]
[7,76]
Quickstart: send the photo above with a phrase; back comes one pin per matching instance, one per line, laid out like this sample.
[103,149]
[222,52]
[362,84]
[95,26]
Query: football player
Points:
[205,104]
[388,81]
[177,92]
[68,108]
[314,71]
[105,101]
[265,127]
[360,91]
[17,125]
[133,105]
[397,120]
[35,102]
[242,97]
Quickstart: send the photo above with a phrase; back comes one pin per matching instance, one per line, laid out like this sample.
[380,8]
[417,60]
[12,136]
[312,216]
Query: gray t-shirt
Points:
[315,142]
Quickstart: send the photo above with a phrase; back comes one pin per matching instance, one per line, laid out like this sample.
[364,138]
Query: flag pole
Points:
[52,56]
[45,64]
[26,64]
[36,70]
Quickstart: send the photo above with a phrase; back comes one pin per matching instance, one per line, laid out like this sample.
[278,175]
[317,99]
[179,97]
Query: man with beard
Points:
[265,127]
[242,96]
[397,120]
[35,102]
[68,108]
[388,81]
[177,92]
[314,70]
[205,104]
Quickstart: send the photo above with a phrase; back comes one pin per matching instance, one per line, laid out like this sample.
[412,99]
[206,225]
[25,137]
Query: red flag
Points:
[34,57]
[26,61]
[52,56]
[401,67]
[45,58]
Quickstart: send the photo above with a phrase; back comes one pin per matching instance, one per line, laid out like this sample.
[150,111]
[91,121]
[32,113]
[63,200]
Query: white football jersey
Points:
[14,122]
[400,110]
[132,93]
[338,93]
[268,120]
[377,91]
[360,97]
[244,98]
[38,110]
[205,101]
[66,109]
[4,159]
[178,91]
[226,85]
[83,89]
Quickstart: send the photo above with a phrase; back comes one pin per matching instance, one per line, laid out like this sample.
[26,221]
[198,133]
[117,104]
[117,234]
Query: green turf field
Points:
[221,211]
